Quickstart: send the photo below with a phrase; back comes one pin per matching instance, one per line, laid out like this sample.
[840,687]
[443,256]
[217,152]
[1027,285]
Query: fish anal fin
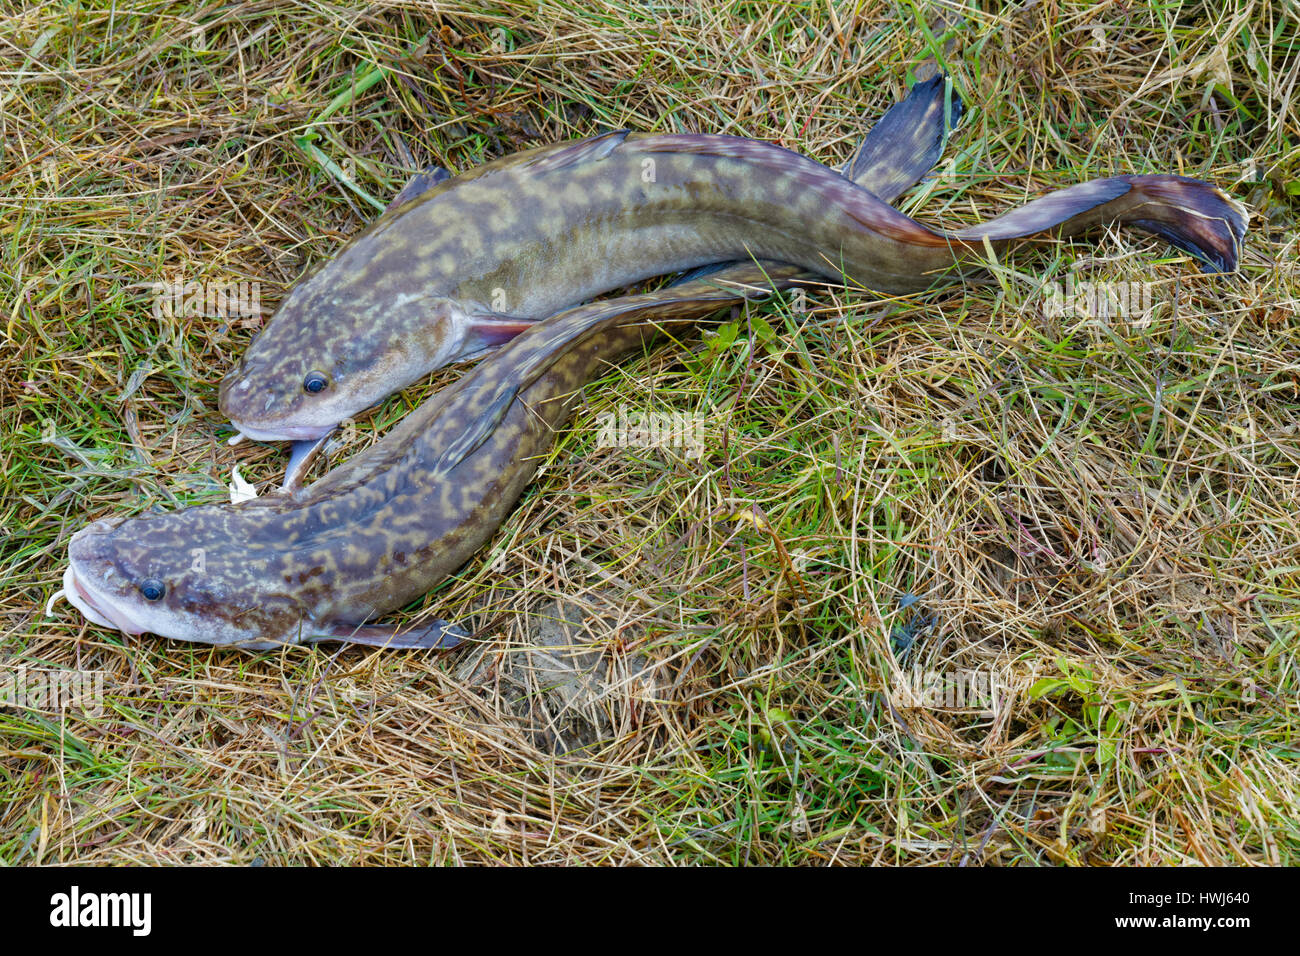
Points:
[699,272]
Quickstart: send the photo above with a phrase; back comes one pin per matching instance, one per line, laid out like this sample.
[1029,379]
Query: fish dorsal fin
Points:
[587,150]
[723,146]
[419,184]
[434,180]
[850,198]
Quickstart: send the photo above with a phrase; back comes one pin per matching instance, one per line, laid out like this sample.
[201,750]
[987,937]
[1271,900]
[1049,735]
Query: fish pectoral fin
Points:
[434,635]
[420,184]
[468,441]
[489,329]
[301,456]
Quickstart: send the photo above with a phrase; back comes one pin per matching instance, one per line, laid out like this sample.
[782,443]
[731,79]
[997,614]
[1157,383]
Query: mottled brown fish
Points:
[473,260]
[892,157]
[388,525]
[324,562]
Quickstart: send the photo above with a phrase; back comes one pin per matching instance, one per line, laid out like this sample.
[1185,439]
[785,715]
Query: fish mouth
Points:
[283,433]
[86,587]
[95,606]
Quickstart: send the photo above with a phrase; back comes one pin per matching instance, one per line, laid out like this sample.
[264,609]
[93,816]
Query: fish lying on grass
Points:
[391,523]
[430,281]
[473,260]
[892,157]
[412,508]
[324,562]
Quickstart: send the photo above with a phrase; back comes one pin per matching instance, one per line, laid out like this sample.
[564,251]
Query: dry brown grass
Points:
[1101,512]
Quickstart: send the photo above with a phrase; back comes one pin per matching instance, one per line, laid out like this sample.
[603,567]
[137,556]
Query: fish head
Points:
[175,575]
[342,340]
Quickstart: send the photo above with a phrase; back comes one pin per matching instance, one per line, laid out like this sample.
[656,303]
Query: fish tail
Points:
[907,141]
[902,147]
[1192,215]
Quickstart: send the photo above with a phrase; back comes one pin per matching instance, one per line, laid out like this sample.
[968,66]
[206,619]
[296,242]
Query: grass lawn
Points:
[719,658]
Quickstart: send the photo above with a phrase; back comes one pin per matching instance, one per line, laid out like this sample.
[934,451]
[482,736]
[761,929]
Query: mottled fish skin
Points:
[391,523]
[426,283]
[515,240]
[236,599]
[893,156]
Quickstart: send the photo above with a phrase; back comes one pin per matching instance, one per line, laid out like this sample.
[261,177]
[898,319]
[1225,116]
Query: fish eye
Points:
[152,589]
[315,382]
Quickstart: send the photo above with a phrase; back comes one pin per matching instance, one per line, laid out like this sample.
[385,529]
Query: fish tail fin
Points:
[907,141]
[1194,216]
